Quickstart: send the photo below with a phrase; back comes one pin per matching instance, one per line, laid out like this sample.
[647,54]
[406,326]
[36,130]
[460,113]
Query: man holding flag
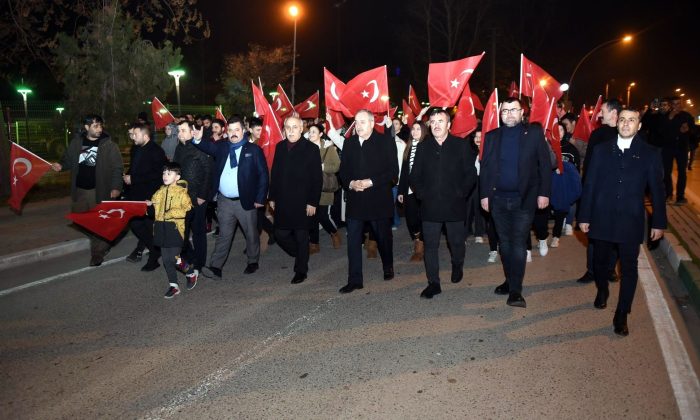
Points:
[96,174]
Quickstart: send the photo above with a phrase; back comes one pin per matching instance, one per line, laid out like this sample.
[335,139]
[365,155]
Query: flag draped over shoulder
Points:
[26,169]
[109,218]
[446,81]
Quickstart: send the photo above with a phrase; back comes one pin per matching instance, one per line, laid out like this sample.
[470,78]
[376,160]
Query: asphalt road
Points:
[103,342]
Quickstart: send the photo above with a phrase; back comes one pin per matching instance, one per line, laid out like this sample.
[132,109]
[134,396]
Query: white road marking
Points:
[684,381]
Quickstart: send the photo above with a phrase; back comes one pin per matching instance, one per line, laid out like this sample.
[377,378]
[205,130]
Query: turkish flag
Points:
[582,131]
[379,119]
[333,89]
[161,115]
[261,105]
[541,106]
[308,108]
[476,102]
[491,119]
[532,76]
[595,121]
[368,90]
[408,112]
[464,121]
[218,114]
[413,101]
[109,218]
[513,91]
[282,106]
[552,134]
[26,169]
[270,136]
[447,80]
[337,118]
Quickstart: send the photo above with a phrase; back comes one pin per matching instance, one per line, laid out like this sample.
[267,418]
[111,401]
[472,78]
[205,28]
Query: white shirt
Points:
[624,144]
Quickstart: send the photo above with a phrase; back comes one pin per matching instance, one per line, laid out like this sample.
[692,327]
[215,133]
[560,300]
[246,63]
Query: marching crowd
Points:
[500,185]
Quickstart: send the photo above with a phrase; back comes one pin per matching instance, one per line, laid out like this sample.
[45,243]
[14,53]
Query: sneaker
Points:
[568,230]
[135,256]
[492,256]
[173,291]
[192,279]
[529,256]
[542,247]
[182,265]
[554,243]
[478,240]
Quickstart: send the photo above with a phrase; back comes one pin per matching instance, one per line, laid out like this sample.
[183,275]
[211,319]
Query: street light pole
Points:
[625,39]
[24,91]
[629,90]
[177,74]
[294,13]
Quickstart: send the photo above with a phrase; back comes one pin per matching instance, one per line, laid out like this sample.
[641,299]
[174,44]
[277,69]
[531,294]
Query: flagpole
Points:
[498,117]
[520,82]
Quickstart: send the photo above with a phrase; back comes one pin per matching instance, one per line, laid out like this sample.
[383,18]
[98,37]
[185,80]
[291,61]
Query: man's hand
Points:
[485,203]
[200,201]
[400,198]
[585,227]
[115,193]
[542,202]
[56,167]
[149,202]
[357,185]
[656,234]
[127,179]
[310,210]
[330,121]
[257,205]
[198,133]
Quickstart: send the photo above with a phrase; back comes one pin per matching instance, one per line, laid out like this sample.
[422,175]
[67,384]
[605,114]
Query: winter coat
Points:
[109,168]
[196,170]
[170,204]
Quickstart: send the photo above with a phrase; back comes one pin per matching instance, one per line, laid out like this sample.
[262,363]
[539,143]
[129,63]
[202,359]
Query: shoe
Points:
[389,273]
[430,291]
[182,265]
[348,288]
[457,273]
[298,278]
[212,272]
[135,256]
[394,228]
[335,239]
[172,291]
[502,289]
[418,250]
[613,278]
[492,256]
[601,298]
[314,249]
[150,265]
[371,249]
[680,202]
[528,258]
[478,240]
[554,243]
[516,299]
[620,324]
[192,279]
[251,268]
[586,278]
[96,260]
[542,247]
[568,230]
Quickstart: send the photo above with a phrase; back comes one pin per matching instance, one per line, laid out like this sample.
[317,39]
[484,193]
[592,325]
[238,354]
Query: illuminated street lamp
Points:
[60,110]
[629,90]
[625,40]
[24,91]
[294,13]
[177,74]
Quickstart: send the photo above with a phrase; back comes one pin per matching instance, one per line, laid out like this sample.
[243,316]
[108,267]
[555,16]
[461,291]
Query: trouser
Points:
[455,241]
[383,236]
[195,252]
[143,229]
[211,212]
[628,253]
[85,200]
[230,213]
[559,217]
[491,233]
[680,155]
[540,224]
[264,224]
[475,222]
[397,218]
[513,227]
[295,242]
[337,213]
[169,255]
[412,212]
[323,217]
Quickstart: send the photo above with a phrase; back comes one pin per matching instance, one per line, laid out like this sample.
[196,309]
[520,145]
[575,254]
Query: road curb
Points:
[683,265]
[673,250]
[39,254]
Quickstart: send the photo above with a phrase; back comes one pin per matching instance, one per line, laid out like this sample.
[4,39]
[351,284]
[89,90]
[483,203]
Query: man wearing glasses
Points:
[514,181]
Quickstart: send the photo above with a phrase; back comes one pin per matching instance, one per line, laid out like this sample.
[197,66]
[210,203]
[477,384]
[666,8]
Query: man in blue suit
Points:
[612,209]
[241,180]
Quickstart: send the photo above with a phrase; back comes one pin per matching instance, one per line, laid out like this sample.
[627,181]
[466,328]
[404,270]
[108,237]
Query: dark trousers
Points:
[383,236]
[323,217]
[337,208]
[264,224]
[455,241]
[143,229]
[412,213]
[680,155]
[169,263]
[195,252]
[476,223]
[295,242]
[628,254]
[513,227]
[540,224]
[491,232]
[559,217]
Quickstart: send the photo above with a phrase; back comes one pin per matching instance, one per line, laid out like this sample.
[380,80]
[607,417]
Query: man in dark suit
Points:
[442,177]
[368,170]
[241,180]
[514,181]
[612,209]
[144,177]
[296,181]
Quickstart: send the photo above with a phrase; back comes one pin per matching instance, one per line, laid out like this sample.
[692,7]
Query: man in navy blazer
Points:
[241,180]
[612,209]
[514,181]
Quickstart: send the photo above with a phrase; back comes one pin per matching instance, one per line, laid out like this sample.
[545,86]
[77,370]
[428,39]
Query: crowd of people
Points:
[209,174]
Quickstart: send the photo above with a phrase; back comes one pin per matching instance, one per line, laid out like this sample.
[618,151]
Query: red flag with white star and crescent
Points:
[281,105]
[464,121]
[259,101]
[308,108]
[446,81]
[26,169]
[491,120]
[413,101]
[333,89]
[270,136]
[109,218]
[161,116]
[368,90]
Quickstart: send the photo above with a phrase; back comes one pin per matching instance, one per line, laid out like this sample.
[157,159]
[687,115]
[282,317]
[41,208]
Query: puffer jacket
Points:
[170,205]
[195,169]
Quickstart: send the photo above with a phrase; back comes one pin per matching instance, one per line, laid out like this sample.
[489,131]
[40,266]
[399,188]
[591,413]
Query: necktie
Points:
[232,152]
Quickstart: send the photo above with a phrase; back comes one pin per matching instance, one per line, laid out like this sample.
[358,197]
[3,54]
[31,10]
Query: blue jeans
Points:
[513,227]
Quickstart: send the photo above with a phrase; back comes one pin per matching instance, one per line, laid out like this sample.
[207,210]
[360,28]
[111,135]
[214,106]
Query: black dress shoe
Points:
[251,268]
[150,265]
[503,289]
[457,274]
[620,324]
[516,299]
[348,288]
[586,278]
[389,273]
[601,299]
[135,256]
[430,291]
[298,278]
